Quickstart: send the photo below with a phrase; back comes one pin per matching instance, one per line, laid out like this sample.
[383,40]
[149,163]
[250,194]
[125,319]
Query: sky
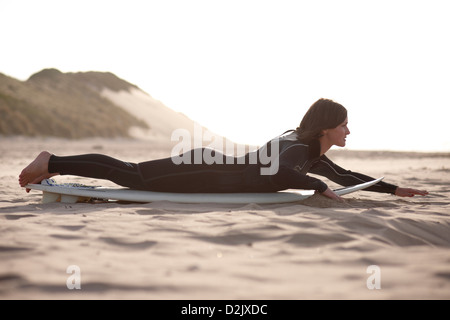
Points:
[249,69]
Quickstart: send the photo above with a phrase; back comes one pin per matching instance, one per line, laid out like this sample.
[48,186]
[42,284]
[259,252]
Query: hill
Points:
[81,105]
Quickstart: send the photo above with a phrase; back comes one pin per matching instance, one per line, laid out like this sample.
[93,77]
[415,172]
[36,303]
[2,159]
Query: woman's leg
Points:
[89,165]
[155,175]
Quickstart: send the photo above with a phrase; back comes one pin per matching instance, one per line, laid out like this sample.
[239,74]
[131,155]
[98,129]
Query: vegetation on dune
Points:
[69,105]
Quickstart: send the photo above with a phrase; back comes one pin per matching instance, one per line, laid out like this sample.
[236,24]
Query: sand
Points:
[315,249]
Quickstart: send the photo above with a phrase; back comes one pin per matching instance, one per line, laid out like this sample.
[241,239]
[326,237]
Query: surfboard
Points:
[72,193]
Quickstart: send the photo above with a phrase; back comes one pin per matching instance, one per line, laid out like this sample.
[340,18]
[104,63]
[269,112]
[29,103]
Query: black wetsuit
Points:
[232,174]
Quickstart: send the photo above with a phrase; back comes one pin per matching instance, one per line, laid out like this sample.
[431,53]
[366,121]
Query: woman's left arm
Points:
[326,167]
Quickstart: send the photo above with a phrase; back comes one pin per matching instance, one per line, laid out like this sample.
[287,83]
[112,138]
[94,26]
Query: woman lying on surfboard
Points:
[300,152]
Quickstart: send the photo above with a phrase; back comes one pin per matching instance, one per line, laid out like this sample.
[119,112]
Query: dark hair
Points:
[323,114]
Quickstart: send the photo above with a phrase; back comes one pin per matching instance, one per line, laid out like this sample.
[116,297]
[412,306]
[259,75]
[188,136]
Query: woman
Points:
[300,152]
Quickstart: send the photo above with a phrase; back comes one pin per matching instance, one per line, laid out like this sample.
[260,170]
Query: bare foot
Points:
[36,171]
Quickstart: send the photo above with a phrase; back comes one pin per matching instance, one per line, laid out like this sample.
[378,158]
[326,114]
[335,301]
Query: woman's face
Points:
[337,136]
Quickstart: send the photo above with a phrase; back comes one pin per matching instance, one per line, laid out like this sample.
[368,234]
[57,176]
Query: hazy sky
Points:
[250,69]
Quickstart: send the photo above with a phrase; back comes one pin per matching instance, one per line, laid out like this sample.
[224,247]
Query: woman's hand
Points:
[408,192]
[332,195]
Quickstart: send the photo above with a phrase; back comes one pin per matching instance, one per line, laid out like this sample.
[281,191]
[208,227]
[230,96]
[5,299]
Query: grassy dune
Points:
[69,105]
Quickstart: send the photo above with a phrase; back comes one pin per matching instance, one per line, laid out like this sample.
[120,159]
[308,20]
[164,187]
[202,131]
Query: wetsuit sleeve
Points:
[288,177]
[327,168]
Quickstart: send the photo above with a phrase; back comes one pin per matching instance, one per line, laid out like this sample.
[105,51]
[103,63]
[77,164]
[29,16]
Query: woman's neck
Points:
[324,145]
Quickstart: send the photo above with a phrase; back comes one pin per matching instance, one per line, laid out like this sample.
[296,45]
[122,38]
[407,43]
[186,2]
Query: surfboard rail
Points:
[68,193]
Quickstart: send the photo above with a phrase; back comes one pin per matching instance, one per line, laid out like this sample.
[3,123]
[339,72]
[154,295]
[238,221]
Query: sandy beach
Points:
[315,249]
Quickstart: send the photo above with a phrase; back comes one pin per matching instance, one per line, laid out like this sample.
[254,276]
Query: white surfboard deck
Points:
[72,193]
